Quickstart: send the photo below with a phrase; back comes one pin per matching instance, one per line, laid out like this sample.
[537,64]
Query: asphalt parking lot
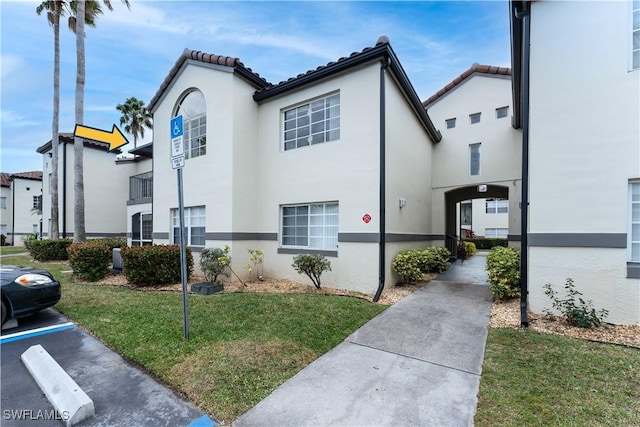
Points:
[123,395]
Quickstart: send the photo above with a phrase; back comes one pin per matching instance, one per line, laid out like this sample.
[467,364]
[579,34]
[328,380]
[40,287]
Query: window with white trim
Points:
[474,159]
[142,229]
[451,123]
[3,203]
[312,226]
[634,223]
[193,109]
[311,123]
[474,118]
[37,204]
[494,206]
[194,225]
[3,229]
[635,35]
[496,233]
[502,112]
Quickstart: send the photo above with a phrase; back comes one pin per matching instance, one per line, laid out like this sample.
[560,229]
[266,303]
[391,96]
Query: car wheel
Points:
[4,313]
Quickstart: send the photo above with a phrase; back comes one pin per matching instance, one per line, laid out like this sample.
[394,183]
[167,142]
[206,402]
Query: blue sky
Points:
[130,52]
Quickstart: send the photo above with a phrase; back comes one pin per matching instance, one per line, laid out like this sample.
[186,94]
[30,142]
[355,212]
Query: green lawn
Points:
[242,346]
[8,250]
[535,379]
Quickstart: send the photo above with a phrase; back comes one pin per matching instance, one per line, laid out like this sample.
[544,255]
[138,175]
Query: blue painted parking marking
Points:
[203,421]
[36,332]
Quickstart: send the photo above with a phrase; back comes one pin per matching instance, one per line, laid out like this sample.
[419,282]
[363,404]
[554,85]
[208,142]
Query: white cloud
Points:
[143,16]
[11,119]
[10,64]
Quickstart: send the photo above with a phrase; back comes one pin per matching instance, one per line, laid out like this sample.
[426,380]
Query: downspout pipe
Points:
[524,208]
[382,202]
[13,211]
[64,190]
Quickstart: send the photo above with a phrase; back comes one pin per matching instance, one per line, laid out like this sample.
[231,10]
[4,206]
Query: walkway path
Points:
[417,363]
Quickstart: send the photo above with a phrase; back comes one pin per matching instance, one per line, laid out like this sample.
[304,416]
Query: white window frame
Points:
[500,110]
[3,202]
[496,233]
[450,123]
[634,35]
[3,229]
[477,145]
[497,206]
[37,204]
[194,127]
[634,222]
[143,238]
[312,122]
[474,118]
[194,224]
[318,231]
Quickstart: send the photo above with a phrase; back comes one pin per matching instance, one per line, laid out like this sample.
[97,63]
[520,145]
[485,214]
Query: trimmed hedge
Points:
[3,240]
[412,264]
[48,250]
[111,242]
[154,265]
[503,267]
[482,243]
[90,260]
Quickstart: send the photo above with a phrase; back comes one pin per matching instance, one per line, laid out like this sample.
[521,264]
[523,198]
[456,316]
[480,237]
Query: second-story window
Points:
[502,112]
[193,109]
[474,159]
[312,123]
[451,123]
[635,34]
[37,204]
[474,118]
[3,203]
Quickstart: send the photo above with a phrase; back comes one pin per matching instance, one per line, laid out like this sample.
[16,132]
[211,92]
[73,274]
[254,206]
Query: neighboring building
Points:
[479,158]
[21,206]
[106,186]
[139,211]
[582,113]
[326,162]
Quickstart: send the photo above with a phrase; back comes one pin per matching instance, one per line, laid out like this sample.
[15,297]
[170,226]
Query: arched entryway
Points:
[453,197]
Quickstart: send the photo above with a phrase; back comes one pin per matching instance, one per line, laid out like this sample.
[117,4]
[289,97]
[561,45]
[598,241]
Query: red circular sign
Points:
[366,218]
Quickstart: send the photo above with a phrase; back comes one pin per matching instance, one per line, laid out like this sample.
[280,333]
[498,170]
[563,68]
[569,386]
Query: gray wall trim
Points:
[308,251]
[399,237]
[160,235]
[359,237]
[143,201]
[268,236]
[514,237]
[633,270]
[235,235]
[579,240]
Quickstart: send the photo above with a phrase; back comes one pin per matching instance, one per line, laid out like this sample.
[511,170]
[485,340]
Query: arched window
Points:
[194,118]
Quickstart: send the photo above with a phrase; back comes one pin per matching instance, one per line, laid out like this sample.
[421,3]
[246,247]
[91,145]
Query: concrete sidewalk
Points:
[417,363]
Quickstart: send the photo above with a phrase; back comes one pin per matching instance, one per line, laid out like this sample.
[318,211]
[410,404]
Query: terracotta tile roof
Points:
[5,179]
[475,68]
[245,72]
[34,175]
[67,138]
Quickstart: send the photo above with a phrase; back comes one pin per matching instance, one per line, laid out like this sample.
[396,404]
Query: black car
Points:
[26,290]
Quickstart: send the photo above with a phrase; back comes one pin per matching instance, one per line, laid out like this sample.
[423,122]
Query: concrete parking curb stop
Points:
[66,396]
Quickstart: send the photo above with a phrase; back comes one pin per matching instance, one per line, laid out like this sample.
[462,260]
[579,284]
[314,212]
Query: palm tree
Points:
[85,12]
[55,10]
[135,117]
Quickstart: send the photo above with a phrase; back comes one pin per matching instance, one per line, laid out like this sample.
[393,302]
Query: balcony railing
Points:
[141,187]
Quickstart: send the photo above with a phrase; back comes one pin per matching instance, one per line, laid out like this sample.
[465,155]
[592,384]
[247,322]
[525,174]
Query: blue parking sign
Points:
[176,127]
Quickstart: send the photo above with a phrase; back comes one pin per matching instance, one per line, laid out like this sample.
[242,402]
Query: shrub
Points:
[28,240]
[3,240]
[578,313]
[214,262]
[89,260]
[503,267]
[434,260]
[408,264]
[487,243]
[256,257]
[48,250]
[469,248]
[154,265]
[311,265]
[111,242]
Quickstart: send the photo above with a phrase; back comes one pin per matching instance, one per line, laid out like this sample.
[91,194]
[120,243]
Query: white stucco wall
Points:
[5,214]
[22,204]
[585,147]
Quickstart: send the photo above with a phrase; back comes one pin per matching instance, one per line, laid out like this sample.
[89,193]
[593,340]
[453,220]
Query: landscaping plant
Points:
[90,260]
[503,268]
[48,250]
[256,257]
[579,312]
[311,265]
[154,265]
[412,264]
[214,262]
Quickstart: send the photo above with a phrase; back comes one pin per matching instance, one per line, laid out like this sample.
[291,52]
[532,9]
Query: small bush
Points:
[154,265]
[503,267]
[111,242]
[487,243]
[89,260]
[311,265]
[48,250]
[3,240]
[469,248]
[28,240]
[214,262]
[256,257]
[434,260]
[578,313]
[412,264]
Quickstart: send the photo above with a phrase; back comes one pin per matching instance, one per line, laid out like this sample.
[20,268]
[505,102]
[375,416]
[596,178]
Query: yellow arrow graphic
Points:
[115,138]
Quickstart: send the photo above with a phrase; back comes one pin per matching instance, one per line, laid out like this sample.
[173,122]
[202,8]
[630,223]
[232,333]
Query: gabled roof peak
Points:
[474,69]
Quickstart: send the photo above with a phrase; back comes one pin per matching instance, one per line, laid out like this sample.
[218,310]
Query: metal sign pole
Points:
[183,257]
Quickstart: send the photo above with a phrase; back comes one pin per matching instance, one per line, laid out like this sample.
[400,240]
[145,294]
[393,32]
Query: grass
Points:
[241,346]
[535,379]
[9,250]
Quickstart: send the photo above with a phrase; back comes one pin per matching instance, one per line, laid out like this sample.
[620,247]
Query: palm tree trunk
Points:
[79,233]
[53,232]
